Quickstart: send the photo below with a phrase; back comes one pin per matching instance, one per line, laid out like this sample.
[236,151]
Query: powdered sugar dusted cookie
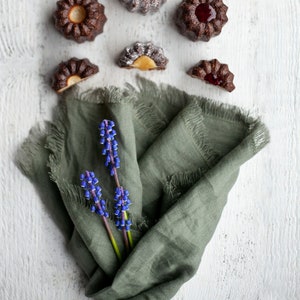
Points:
[143,56]
[143,6]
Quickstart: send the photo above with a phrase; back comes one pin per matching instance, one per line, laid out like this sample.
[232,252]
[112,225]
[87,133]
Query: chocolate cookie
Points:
[143,6]
[72,72]
[143,56]
[213,72]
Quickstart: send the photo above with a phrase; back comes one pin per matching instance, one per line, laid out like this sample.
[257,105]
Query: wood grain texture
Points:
[254,253]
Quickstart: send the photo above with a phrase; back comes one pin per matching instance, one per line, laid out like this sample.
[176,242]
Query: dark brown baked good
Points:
[72,72]
[201,20]
[143,6]
[143,56]
[213,72]
[80,20]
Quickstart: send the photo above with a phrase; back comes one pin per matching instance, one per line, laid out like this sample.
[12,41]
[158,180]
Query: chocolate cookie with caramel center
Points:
[143,56]
[72,72]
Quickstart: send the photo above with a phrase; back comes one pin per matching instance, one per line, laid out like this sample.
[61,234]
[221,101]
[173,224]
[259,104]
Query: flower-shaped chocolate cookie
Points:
[143,56]
[143,6]
[201,19]
[80,20]
[213,72]
[71,72]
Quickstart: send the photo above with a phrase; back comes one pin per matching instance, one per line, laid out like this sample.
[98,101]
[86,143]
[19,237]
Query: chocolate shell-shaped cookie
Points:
[80,20]
[143,56]
[72,72]
[143,6]
[213,72]
[200,20]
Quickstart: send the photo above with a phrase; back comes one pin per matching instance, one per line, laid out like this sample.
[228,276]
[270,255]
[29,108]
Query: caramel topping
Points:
[77,14]
[73,80]
[144,63]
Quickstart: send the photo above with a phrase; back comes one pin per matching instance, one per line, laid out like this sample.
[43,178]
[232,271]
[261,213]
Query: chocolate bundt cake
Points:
[80,20]
[201,20]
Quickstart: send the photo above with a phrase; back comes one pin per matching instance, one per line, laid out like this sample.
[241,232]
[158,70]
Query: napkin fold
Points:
[180,156]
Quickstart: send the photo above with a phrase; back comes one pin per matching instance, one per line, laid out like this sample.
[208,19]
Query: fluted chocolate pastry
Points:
[80,20]
[200,20]
[72,72]
[213,72]
[143,56]
[143,6]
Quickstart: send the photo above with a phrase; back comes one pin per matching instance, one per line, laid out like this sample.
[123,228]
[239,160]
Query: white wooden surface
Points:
[254,253]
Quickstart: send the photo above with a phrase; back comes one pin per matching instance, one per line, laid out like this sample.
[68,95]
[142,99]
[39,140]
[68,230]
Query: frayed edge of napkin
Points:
[31,147]
[170,94]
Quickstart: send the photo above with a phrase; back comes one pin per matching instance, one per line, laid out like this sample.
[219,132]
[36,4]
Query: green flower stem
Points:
[129,232]
[109,232]
[112,239]
[125,235]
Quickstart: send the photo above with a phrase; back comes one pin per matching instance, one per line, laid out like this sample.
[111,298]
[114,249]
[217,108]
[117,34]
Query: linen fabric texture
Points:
[180,156]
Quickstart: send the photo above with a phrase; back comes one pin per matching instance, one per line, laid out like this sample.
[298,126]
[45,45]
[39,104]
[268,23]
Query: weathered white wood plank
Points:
[254,253]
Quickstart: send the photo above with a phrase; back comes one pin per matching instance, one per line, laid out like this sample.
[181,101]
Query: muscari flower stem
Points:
[128,232]
[89,181]
[109,233]
[125,235]
[112,239]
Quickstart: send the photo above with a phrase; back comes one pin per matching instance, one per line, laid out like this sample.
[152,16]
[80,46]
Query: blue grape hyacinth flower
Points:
[110,145]
[122,203]
[92,193]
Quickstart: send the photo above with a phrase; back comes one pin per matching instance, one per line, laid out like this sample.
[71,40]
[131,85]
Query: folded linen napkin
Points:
[180,157]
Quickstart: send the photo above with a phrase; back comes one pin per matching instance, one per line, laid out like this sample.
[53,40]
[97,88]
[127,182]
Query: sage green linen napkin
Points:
[180,156]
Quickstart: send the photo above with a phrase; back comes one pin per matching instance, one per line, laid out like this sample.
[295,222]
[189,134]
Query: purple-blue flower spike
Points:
[122,203]
[110,146]
[92,192]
